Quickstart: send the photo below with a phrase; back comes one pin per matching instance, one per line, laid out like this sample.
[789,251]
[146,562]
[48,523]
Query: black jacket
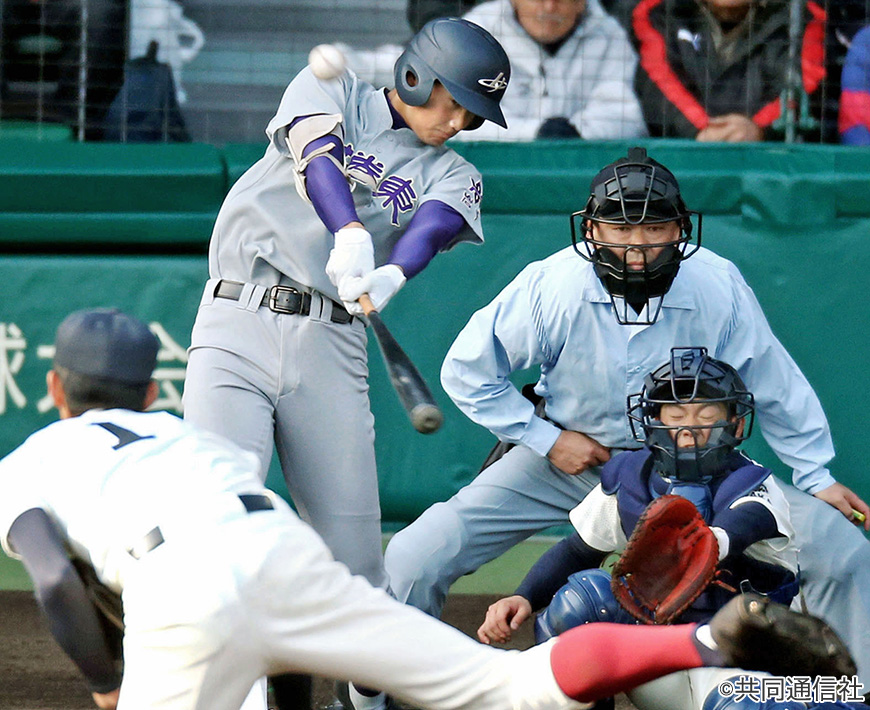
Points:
[682,81]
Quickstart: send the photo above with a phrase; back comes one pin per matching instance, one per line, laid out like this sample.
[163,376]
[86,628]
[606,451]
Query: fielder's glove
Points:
[353,256]
[670,559]
[107,603]
[381,285]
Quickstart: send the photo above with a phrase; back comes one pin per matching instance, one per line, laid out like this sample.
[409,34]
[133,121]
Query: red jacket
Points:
[682,81]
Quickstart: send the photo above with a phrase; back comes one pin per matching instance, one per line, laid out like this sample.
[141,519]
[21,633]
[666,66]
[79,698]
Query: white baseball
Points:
[326,61]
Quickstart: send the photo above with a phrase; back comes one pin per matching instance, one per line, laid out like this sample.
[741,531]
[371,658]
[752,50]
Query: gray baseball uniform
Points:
[255,375]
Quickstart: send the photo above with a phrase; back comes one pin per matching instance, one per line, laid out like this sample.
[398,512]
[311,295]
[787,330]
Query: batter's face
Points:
[548,21]
[636,244]
[439,119]
[699,415]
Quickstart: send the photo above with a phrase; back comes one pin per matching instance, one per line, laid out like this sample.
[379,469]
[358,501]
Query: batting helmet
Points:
[465,58]
[635,190]
[691,376]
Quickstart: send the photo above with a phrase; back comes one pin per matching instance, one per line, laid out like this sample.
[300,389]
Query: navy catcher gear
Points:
[465,58]
[586,597]
[691,376]
[635,190]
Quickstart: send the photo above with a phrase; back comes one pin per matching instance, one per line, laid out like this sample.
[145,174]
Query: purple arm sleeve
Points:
[327,187]
[61,595]
[431,229]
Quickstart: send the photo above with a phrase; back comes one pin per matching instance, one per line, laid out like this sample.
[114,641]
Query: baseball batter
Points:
[355,194]
[222,583]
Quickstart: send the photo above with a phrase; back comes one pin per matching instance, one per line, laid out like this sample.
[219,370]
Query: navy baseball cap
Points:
[106,343]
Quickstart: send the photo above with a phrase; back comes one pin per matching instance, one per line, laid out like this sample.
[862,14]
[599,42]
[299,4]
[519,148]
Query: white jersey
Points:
[108,477]
[265,230]
[230,596]
[588,80]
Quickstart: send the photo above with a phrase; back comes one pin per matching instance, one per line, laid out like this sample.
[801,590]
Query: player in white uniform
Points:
[222,583]
[595,325]
[355,193]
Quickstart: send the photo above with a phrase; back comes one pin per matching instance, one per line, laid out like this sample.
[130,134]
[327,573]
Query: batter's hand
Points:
[502,618]
[844,500]
[107,701]
[574,452]
[352,256]
[381,285]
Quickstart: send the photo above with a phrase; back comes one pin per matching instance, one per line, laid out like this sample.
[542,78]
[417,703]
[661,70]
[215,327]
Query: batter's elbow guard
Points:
[585,599]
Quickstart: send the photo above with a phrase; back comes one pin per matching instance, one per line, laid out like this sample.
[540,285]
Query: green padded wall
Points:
[796,220]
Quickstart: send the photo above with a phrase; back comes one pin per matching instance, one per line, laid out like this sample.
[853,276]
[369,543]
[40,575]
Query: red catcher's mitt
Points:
[670,559]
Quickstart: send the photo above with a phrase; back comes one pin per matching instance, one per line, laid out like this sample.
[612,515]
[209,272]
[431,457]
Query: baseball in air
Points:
[326,61]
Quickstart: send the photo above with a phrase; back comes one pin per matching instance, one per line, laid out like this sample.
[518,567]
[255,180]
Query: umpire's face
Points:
[636,244]
[548,21]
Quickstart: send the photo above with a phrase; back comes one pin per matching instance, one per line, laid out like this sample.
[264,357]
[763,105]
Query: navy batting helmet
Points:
[690,377]
[465,58]
[635,190]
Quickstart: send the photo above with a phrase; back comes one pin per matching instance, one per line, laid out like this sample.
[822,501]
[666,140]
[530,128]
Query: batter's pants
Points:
[298,383]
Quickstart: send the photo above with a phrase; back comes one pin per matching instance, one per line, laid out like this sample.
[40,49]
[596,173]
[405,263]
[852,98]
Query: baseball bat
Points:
[414,394]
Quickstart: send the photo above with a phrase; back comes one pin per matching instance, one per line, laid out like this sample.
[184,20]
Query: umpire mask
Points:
[631,191]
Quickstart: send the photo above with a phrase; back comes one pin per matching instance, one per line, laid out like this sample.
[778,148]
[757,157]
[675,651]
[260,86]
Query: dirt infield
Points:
[36,675]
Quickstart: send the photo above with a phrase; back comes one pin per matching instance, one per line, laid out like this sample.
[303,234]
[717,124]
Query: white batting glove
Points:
[352,256]
[381,285]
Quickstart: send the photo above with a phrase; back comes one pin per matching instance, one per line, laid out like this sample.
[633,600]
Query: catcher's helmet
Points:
[635,190]
[691,376]
[465,58]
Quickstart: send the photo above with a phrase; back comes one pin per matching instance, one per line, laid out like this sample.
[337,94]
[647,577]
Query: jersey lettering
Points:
[125,436]
[398,193]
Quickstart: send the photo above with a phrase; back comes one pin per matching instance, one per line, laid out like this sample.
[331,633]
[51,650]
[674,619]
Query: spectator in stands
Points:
[855,98]
[572,68]
[718,70]
[572,71]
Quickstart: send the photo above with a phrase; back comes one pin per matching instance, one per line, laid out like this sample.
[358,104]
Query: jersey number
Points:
[125,436]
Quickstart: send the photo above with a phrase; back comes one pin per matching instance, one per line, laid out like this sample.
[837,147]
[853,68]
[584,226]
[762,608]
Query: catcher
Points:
[695,509]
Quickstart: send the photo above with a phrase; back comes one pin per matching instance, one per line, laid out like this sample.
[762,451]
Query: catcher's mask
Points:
[691,377]
[635,190]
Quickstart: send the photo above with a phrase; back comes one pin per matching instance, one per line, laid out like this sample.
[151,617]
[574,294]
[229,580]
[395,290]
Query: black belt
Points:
[283,299]
[253,502]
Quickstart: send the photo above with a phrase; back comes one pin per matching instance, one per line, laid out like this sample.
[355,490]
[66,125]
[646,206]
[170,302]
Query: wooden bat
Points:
[414,394]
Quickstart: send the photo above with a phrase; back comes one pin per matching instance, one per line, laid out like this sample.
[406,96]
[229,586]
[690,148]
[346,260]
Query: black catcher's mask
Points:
[635,190]
[691,377]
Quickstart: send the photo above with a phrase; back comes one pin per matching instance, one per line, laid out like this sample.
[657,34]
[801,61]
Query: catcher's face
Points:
[693,422]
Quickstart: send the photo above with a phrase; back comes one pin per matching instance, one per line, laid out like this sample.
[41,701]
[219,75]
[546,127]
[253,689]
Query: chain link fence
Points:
[214,70]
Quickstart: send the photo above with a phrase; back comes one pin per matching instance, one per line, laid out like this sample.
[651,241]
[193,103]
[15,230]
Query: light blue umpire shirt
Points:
[556,314]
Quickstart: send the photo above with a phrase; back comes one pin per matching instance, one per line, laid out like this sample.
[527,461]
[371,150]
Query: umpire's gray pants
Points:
[258,377]
[517,496]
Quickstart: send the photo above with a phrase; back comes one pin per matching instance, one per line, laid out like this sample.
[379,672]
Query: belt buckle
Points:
[281,297]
